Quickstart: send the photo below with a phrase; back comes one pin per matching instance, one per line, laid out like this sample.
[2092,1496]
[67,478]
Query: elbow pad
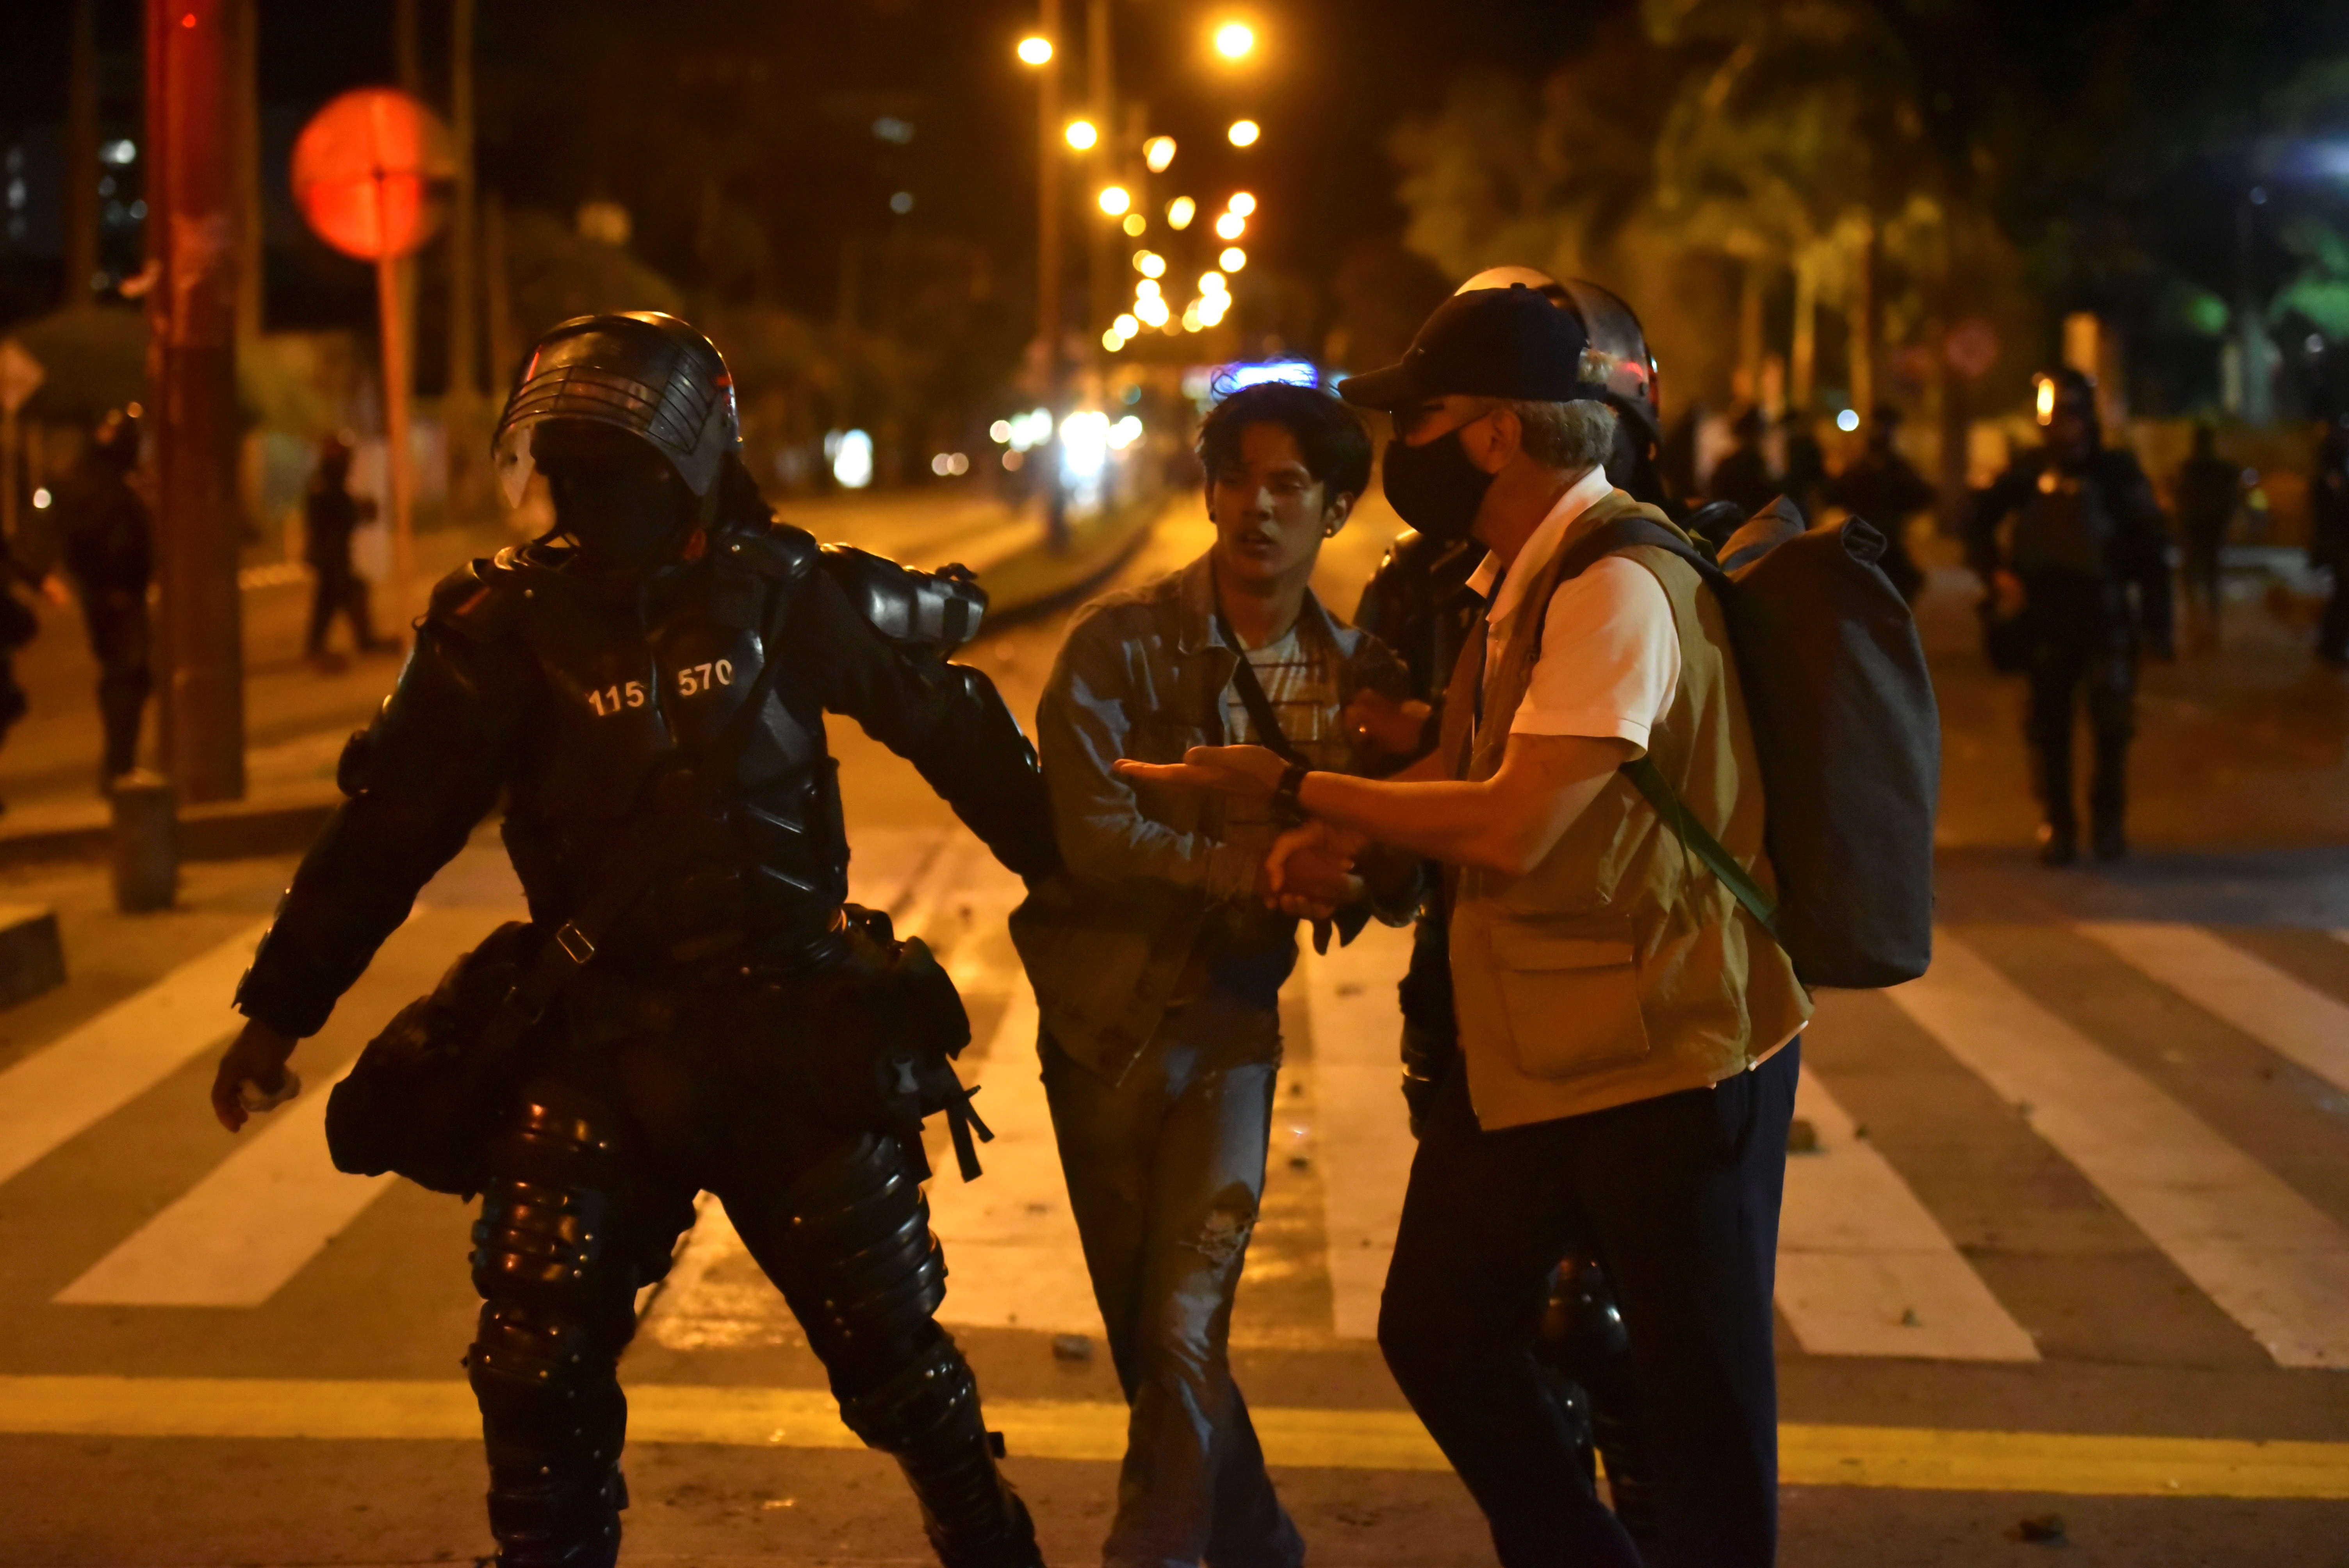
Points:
[935,610]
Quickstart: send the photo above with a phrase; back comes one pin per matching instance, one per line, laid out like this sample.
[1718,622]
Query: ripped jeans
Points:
[1165,1169]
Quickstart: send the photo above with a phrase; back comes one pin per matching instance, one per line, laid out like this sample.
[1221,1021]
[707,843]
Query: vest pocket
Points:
[1572,1000]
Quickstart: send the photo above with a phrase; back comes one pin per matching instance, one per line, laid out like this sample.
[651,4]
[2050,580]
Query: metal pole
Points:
[192,243]
[1048,269]
[394,431]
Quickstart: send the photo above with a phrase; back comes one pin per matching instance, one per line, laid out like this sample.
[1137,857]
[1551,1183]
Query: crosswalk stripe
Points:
[1863,1269]
[2282,1012]
[1918,1458]
[238,1234]
[85,1077]
[1364,1135]
[1011,1245]
[2266,1255]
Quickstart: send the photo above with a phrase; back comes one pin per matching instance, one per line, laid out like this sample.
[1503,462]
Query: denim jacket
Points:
[1107,939]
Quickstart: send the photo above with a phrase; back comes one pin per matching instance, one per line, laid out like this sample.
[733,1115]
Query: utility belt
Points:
[865,1043]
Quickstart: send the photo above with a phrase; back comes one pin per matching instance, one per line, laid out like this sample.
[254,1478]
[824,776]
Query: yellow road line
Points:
[1906,1456]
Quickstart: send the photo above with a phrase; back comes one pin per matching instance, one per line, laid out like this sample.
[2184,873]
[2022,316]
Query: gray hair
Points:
[1567,436]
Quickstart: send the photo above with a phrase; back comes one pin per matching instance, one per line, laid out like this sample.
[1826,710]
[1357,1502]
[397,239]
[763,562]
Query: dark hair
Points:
[1331,440]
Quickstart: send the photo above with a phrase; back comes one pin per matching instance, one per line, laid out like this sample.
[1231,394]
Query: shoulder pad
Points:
[778,551]
[938,610]
[481,598]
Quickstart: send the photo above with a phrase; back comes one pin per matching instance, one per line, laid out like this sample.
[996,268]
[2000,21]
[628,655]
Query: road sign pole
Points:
[192,368]
[395,436]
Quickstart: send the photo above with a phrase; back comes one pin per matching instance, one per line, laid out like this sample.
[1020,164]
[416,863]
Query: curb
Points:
[241,830]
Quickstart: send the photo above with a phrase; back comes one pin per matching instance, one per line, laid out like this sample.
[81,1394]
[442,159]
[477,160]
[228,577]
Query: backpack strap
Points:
[1627,532]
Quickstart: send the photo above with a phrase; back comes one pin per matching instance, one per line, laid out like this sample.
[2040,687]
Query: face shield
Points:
[1618,357]
[648,374]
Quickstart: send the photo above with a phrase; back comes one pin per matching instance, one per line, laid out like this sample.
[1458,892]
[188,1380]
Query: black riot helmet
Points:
[1617,357]
[648,374]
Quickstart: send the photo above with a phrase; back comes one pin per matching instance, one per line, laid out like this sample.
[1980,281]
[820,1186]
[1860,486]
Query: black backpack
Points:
[1847,733]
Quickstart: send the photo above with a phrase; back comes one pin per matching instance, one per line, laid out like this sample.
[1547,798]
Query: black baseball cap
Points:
[1488,343]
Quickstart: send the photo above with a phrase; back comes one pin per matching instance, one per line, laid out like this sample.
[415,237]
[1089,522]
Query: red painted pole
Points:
[191,242]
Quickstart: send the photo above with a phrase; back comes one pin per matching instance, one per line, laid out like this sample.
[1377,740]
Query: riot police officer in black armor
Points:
[1418,604]
[104,542]
[647,688]
[2078,586]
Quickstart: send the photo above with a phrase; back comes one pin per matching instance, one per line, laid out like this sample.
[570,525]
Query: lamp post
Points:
[1041,51]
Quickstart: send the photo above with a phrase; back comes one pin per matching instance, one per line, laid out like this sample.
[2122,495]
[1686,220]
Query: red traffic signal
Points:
[364,169]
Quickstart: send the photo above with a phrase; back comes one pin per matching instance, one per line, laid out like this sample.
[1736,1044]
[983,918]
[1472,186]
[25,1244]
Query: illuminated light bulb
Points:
[1082,135]
[1180,212]
[1115,199]
[1243,132]
[1211,283]
[1233,260]
[1158,152]
[1235,39]
[1112,340]
[1127,325]
[1242,202]
[1146,289]
[1230,226]
[1847,420]
[1134,223]
[1036,51]
[1153,267]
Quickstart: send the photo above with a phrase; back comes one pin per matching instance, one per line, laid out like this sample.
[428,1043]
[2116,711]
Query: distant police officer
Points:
[330,515]
[710,1023]
[2082,578]
[104,542]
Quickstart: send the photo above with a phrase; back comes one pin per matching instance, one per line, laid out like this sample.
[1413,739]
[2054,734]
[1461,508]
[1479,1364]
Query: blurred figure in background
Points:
[103,541]
[2204,496]
[1883,487]
[2084,581]
[1805,477]
[2328,538]
[1743,478]
[330,515]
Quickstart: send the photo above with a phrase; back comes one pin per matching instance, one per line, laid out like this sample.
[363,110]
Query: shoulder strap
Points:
[1259,707]
[1624,534]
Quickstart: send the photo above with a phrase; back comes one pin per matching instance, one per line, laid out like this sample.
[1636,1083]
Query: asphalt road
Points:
[2072,1239]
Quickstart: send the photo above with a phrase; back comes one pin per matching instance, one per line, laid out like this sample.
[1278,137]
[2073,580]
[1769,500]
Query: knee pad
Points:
[864,1269]
[928,1399]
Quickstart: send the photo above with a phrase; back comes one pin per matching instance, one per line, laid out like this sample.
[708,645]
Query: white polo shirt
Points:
[1610,656]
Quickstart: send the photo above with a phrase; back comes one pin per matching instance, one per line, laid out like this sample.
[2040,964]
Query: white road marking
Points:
[1863,1269]
[237,1236]
[88,1075]
[1366,1146]
[2283,1013]
[2269,1258]
[1010,1240]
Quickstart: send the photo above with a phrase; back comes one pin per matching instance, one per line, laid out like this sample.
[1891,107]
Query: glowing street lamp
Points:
[1036,51]
[1134,224]
[1243,203]
[1158,152]
[1211,283]
[1233,260]
[1230,226]
[1180,212]
[1082,135]
[1112,340]
[1149,263]
[1235,39]
[1126,325]
[1243,132]
[1115,199]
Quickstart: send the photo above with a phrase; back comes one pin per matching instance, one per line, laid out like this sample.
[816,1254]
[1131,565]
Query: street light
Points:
[1233,260]
[1235,39]
[1243,203]
[1158,152]
[1230,226]
[1180,212]
[1243,132]
[1082,135]
[1115,199]
[1036,51]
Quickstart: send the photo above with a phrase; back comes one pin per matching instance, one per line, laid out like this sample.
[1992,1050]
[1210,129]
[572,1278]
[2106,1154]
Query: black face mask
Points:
[625,517]
[1435,488]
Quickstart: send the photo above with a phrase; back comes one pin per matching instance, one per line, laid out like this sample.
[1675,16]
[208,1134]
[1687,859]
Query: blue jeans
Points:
[1166,1170]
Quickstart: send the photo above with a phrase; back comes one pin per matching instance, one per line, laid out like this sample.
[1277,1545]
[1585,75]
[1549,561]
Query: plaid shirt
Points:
[1108,941]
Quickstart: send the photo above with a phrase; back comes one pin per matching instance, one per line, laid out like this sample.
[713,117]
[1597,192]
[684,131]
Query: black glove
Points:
[1427,1055]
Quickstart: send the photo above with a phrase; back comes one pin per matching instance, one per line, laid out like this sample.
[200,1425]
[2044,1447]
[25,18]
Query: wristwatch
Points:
[1285,807]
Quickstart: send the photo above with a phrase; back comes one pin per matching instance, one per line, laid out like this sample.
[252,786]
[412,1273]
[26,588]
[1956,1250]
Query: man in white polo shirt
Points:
[1627,1032]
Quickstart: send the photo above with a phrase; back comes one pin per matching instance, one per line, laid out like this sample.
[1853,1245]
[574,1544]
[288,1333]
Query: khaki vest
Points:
[1618,968]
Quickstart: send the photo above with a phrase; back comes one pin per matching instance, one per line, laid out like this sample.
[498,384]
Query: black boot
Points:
[2108,800]
[1583,1338]
[555,1516]
[927,1416]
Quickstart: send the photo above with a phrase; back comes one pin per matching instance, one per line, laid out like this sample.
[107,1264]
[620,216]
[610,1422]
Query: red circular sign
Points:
[365,169]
